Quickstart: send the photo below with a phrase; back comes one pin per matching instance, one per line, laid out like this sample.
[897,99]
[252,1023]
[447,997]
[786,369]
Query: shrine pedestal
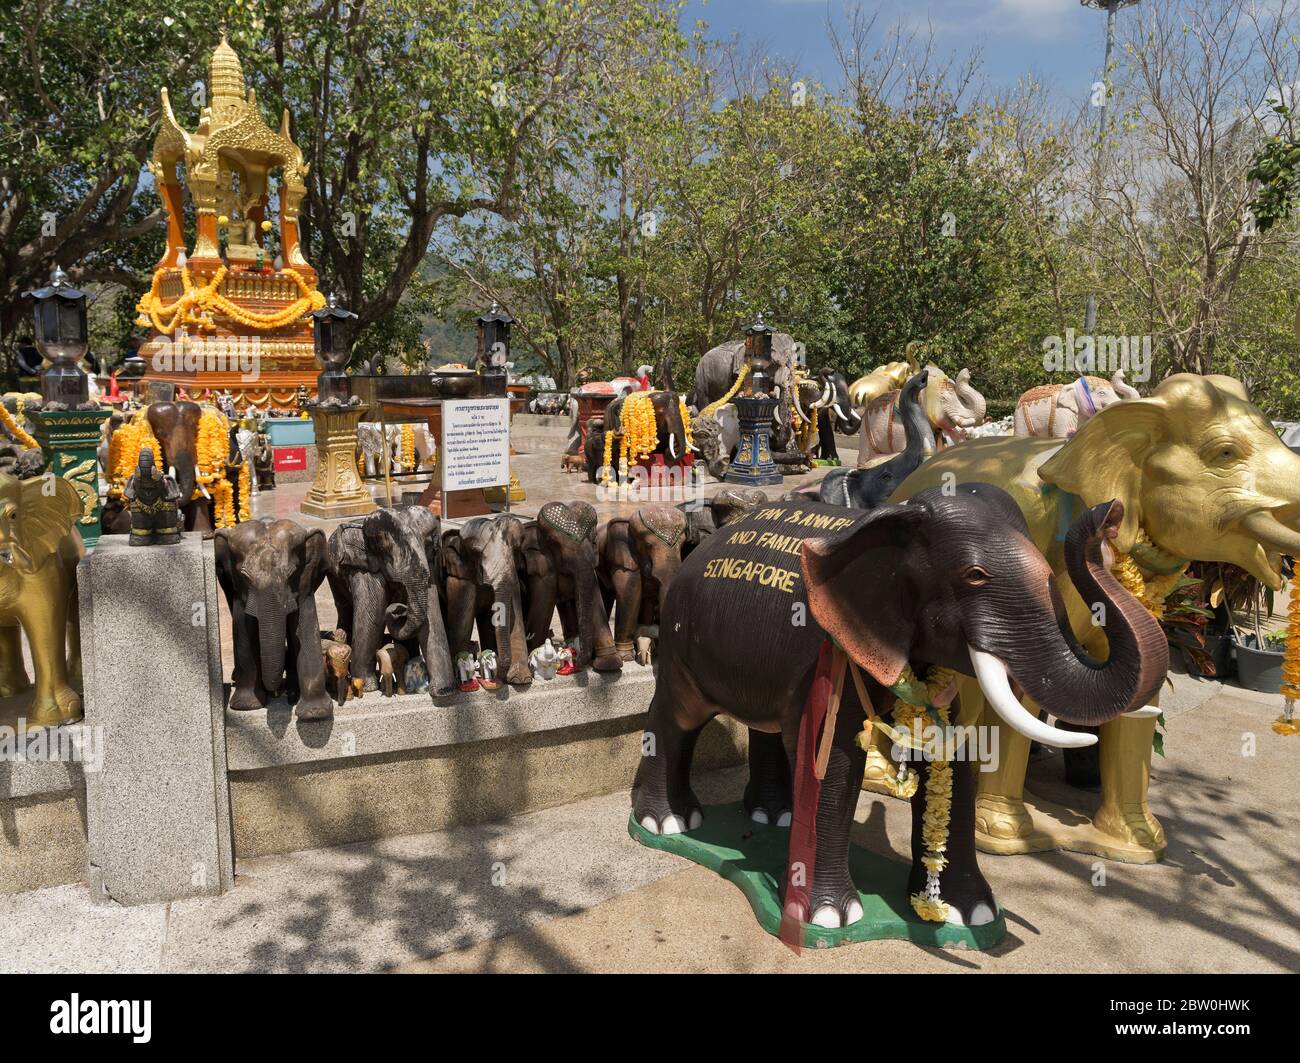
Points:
[753,465]
[70,442]
[337,490]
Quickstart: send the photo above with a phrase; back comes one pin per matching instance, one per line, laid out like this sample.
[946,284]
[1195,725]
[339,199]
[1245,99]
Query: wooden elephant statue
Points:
[392,658]
[638,557]
[39,551]
[482,561]
[392,556]
[270,570]
[559,564]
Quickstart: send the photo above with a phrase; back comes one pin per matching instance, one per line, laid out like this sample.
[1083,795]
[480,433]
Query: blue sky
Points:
[1058,41]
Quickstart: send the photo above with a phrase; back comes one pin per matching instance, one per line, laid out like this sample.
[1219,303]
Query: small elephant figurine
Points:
[338,658]
[487,669]
[467,671]
[392,658]
[544,661]
[269,570]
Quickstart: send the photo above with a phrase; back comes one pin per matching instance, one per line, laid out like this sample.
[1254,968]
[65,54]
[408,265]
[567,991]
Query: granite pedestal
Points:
[158,809]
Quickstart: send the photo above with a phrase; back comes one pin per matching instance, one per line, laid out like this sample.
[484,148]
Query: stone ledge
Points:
[271,737]
[35,778]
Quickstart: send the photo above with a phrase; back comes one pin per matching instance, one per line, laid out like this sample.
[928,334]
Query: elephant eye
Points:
[975,576]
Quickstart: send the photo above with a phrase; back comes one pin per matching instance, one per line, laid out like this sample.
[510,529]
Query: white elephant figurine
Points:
[952,406]
[1057,411]
[544,661]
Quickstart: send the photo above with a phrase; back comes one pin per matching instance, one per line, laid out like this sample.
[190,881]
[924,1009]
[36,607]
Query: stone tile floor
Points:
[566,889]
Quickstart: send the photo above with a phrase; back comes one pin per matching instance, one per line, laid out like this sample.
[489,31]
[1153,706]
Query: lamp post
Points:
[336,490]
[493,349]
[1110,7]
[753,465]
[67,426]
[332,327]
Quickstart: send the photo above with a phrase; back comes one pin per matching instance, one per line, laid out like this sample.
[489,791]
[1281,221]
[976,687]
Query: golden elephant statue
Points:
[1203,476]
[39,551]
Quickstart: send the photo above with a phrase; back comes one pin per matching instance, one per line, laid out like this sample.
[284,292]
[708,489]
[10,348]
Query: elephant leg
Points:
[248,691]
[768,792]
[13,676]
[367,627]
[627,595]
[342,603]
[833,899]
[541,609]
[74,639]
[662,799]
[462,603]
[437,653]
[512,646]
[568,611]
[55,701]
[969,898]
[606,657]
[1002,822]
[314,702]
[1124,814]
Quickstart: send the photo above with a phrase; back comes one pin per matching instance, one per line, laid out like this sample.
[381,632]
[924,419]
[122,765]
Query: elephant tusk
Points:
[996,685]
[672,445]
[1147,712]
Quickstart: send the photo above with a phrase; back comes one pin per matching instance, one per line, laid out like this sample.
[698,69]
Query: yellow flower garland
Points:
[15,429]
[712,407]
[938,784]
[195,304]
[1150,592]
[408,448]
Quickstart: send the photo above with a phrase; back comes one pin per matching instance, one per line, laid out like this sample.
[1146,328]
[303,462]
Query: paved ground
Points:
[567,890]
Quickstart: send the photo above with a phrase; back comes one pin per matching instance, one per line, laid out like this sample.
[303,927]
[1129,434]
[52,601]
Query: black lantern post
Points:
[753,465]
[493,349]
[62,338]
[758,356]
[332,331]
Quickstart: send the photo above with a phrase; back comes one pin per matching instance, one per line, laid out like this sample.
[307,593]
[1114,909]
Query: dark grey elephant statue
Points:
[834,412]
[269,571]
[482,560]
[391,557]
[947,581]
[869,488]
[559,558]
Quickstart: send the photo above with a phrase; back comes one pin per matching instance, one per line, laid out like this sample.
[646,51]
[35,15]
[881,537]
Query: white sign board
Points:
[475,444]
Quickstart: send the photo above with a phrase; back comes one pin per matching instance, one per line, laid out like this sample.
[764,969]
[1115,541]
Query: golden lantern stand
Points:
[337,490]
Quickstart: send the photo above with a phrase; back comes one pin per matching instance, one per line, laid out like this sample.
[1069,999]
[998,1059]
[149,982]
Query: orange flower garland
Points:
[1286,724]
[195,305]
[15,429]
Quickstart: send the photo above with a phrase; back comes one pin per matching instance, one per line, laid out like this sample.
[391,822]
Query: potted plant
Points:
[1259,653]
[1198,623]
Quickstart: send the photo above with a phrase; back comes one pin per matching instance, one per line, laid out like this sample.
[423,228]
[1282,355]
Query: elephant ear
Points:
[1105,459]
[313,555]
[856,592]
[48,509]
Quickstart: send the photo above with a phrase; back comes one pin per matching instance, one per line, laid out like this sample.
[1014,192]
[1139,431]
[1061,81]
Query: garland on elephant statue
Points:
[210,479]
[640,433]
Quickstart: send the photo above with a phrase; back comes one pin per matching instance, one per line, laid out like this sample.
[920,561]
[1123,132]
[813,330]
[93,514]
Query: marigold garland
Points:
[1150,592]
[195,305]
[15,429]
[408,448]
[713,407]
[913,699]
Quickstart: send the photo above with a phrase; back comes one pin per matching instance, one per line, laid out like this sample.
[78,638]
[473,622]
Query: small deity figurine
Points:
[153,499]
[264,462]
[566,659]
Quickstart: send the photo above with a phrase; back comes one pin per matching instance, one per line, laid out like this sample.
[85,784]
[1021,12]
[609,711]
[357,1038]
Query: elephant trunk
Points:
[269,613]
[971,399]
[417,609]
[1055,671]
[588,595]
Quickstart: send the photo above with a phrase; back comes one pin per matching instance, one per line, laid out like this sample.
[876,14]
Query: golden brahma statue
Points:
[39,551]
[1203,476]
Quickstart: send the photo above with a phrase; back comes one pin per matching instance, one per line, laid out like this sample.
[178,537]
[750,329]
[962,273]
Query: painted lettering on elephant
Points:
[765,575]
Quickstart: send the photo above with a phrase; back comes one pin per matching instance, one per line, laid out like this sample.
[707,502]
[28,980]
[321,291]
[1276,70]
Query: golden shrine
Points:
[233,320]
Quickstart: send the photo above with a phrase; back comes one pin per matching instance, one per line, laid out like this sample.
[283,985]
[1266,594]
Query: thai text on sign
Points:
[475,446]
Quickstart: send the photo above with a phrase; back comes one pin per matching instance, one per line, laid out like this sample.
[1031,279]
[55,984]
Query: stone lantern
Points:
[63,339]
[493,349]
[332,333]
